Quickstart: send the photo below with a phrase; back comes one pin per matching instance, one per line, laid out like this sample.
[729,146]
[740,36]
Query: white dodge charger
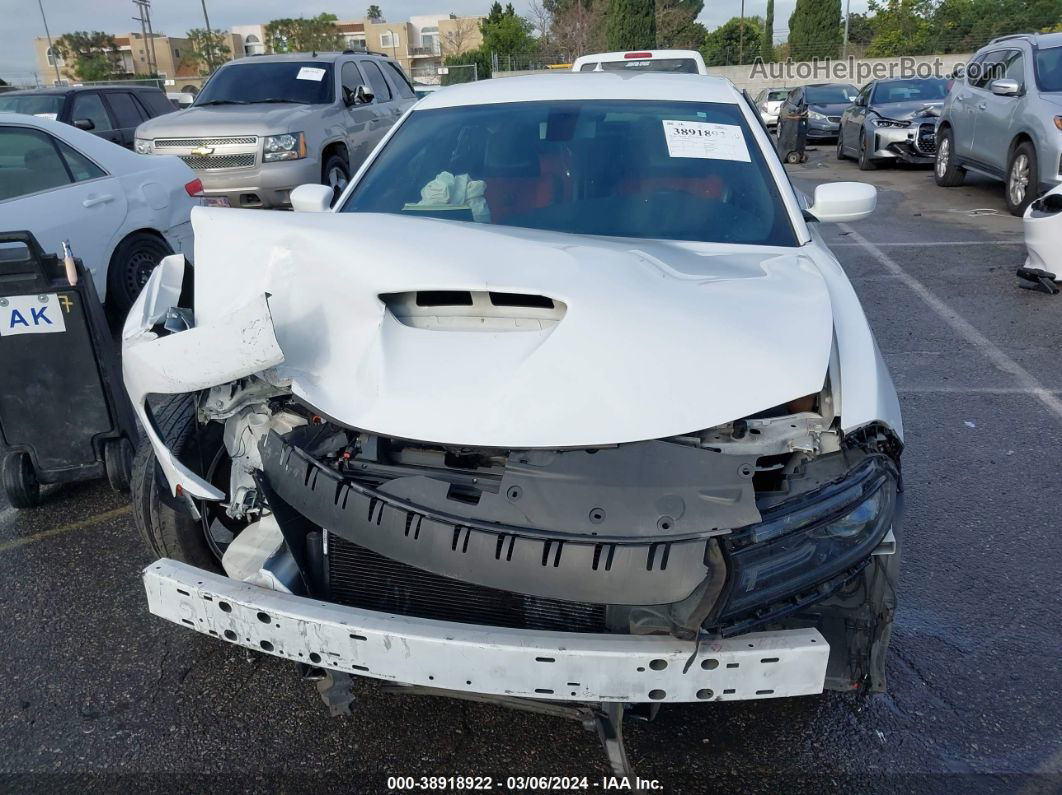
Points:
[565,400]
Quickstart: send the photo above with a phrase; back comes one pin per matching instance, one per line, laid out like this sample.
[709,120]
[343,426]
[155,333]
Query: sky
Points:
[22,19]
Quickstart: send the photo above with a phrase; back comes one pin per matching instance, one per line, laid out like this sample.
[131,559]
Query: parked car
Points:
[264,124]
[673,61]
[820,104]
[110,112]
[893,120]
[120,212]
[769,101]
[1003,118]
[423,89]
[511,421]
[1043,233]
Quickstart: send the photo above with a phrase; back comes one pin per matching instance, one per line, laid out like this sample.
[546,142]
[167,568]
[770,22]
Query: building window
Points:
[355,41]
[176,53]
[53,59]
[387,40]
[252,45]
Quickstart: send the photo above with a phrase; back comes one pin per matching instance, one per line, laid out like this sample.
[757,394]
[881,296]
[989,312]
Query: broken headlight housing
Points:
[806,543]
[893,123]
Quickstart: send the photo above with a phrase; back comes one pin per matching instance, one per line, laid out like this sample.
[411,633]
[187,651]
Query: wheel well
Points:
[1019,139]
[337,148]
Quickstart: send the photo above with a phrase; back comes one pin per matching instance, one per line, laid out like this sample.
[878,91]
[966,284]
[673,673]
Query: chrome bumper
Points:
[558,666]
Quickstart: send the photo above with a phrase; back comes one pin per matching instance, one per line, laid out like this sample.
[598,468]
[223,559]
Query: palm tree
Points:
[374,14]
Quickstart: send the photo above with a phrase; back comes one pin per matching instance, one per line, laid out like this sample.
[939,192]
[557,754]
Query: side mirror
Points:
[84,124]
[1005,88]
[841,202]
[312,198]
[363,95]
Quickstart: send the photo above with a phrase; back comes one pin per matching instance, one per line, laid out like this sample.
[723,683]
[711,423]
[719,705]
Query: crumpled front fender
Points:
[233,346]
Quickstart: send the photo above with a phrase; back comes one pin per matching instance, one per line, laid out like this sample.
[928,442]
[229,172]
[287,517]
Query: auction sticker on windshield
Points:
[30,314]
[310,73]
[704,140]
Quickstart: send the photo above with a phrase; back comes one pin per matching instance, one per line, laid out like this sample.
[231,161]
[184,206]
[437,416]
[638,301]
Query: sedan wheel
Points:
[1021,179]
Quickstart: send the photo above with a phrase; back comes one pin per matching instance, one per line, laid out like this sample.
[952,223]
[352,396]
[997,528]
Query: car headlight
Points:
[144,146]
[814,114]
[880,122]
[809,541]
[289,146]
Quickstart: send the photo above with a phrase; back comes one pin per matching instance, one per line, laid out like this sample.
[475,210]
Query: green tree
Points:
[506,33]
[316,34]
[631,25]
[374,14]
[815,29]
[721,45]
[767,46]
[209,50]
[901,27]
[860,31]
[677,26]
[94,55]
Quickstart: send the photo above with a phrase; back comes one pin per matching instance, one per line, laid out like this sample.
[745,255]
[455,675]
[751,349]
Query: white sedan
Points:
[120,212]
[512,421]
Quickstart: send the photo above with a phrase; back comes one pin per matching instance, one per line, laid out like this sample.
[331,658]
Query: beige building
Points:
[420,45]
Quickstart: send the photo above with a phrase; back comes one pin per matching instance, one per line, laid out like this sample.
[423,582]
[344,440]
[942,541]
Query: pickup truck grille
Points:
[166,143]
[361,578]
[209,162]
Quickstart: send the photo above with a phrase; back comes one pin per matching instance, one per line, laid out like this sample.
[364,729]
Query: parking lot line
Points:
[7,546]
[963,327]
[972,390]
[937,243]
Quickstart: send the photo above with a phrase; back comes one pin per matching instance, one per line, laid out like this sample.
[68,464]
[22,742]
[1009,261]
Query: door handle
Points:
[982,105]
[94,199]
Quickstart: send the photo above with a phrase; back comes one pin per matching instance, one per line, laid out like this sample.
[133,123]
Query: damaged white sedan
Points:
[565,404]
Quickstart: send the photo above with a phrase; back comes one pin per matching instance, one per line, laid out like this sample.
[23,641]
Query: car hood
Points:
[833,109]
[903,111]
[213,120]
[650,339]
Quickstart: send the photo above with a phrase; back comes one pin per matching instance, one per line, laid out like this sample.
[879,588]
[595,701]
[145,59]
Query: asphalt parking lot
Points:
[97,693]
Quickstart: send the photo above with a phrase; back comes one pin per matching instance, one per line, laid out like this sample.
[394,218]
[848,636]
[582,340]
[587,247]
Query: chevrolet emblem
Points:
[203,151]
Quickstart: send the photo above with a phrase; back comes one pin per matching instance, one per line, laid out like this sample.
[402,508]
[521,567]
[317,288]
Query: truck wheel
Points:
[129,269]
[336,174]
[118,462]
[170,533]
[1022,178]
[20,481]
[946,171]
[866,162]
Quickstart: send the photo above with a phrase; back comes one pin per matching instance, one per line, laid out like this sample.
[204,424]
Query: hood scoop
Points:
[474,310]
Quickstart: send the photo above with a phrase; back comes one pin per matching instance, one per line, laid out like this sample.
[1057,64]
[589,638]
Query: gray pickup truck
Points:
[265,124]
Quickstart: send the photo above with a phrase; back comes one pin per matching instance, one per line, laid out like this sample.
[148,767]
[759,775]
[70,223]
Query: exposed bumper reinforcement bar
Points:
[543,665]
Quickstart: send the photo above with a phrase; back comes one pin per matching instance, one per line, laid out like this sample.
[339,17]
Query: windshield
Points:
[306,83]
[1049,69]
[47,105]
[778,96]
[927,90]
[686,66]
[666,170]
[830,95]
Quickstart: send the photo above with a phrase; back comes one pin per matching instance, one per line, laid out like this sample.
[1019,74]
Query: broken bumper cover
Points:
[560,666]
[916,143]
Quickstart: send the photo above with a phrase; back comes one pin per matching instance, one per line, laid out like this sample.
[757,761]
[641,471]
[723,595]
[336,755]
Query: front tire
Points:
[840,146]
[336,174]
[1022,178]
[130,267]
[947,173]
[167,532]
[20,481]
[866,162]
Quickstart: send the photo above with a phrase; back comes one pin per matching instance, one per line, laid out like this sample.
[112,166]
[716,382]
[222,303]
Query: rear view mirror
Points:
[84,124]
[311,198]
[841,202]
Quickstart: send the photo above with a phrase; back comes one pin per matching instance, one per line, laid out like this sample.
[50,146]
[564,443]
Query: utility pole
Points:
[210,40]
[143,37]
[847,13]
[741,43]
[51,49]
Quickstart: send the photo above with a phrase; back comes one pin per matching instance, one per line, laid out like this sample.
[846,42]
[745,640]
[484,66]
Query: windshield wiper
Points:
[276,100]
[221,102]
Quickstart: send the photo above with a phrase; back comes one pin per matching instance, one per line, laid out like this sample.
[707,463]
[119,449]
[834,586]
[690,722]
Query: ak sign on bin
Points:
[32,314]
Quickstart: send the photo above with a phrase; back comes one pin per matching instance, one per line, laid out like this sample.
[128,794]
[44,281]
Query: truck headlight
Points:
[800,546]
[144,146]
[289,146]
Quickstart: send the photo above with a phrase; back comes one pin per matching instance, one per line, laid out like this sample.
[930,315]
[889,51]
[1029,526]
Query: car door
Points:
[361,119]
[89,113]
[384,110]
[995,114]
[126,113]
[854,117]
[58,193]
[975,102]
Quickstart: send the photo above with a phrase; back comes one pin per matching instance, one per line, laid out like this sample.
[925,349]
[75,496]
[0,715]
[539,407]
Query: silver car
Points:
[264,124]
[892,120]
[1003,118]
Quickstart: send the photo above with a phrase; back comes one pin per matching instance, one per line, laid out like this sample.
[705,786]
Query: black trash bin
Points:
[793,137]
[64,413]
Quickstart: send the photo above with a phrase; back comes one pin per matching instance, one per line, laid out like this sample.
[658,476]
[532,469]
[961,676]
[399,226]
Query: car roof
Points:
[59,91]
[326,57]
[113,158]
[586,85]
